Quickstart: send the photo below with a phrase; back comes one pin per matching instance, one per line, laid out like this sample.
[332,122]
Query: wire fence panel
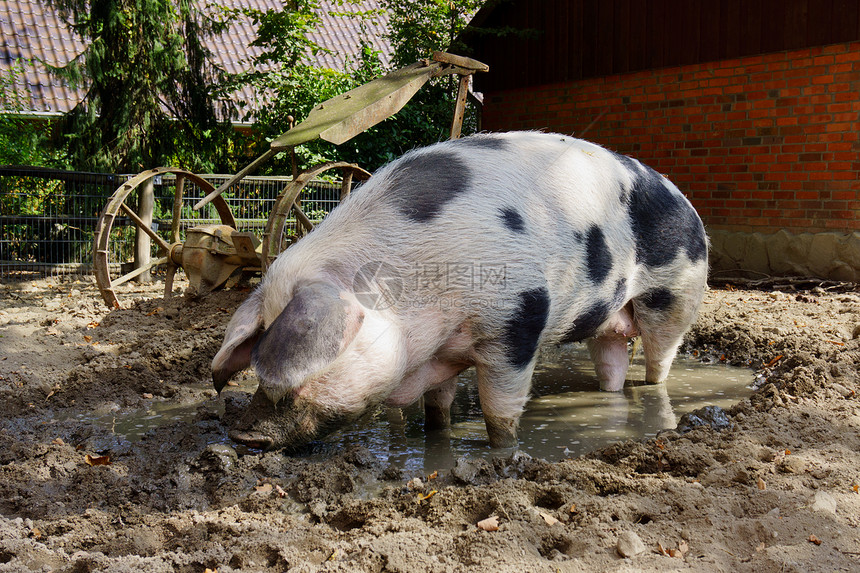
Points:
[48,217]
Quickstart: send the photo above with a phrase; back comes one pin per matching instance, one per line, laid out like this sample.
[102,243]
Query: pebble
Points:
[223,455]
[823,501]
[629,544]
[792,465]
[841,390]
[712,416]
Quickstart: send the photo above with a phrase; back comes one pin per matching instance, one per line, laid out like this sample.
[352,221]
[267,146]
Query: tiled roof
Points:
[32,32]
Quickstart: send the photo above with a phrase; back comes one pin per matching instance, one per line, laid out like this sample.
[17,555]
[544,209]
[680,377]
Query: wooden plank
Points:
[750,28]
[657,33]
[795,22]
[606,37]
[673,22]
[575,38]
[528,52]
[562,40]
[460,107]
[730,36]
[460,61]
[692,38]
[819,31]
[589,39]
[773,25]
[621,40]
[640,43]
[845,16]
[709,31]
[517,49]
[544,63]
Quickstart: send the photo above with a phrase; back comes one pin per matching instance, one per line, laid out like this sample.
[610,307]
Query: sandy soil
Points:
[773,488]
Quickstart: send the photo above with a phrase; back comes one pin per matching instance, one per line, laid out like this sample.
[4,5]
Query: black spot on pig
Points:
[512,220]
[586,324]
[422,184]
[630,165]
[628,162]
[598,257]
[524,327]
[490,142]
[659,298]
[663,222]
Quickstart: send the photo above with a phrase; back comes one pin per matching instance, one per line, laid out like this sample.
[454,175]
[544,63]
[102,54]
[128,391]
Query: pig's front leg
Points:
[503,392]
[437,405]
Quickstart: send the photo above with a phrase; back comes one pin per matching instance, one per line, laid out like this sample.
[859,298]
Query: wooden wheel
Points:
[277,236]
[113,258]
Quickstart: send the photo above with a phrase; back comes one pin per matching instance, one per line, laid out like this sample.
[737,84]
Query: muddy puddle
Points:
[567,416]
[132,425]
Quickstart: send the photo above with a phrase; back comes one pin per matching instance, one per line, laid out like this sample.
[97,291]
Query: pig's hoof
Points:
[502,432]
[253,440]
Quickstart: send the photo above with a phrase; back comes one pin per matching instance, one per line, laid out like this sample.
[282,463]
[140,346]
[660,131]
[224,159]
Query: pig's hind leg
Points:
[663,316]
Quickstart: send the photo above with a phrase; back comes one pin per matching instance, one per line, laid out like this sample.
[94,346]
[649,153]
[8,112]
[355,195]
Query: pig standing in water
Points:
[471,252]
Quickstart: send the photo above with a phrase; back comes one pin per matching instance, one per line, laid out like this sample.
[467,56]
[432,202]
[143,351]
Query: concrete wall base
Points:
[833,256]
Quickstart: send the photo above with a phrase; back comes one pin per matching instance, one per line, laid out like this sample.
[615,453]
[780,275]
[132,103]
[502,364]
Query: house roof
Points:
[32,32]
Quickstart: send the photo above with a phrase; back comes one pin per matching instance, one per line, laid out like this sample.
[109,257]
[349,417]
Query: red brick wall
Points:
[758,143]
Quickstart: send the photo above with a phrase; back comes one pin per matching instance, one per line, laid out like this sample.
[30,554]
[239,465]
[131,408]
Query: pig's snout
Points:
[252,439]
[291,423]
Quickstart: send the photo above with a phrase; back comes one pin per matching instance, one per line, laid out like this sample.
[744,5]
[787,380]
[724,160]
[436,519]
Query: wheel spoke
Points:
[168,280]
[145,228]
[303,219]
[177,208]
[128,276]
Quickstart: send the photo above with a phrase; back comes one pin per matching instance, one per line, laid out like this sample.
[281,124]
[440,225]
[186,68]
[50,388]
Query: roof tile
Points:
[32,32]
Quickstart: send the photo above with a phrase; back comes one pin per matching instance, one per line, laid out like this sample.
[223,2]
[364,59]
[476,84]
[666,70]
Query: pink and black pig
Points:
[472,252]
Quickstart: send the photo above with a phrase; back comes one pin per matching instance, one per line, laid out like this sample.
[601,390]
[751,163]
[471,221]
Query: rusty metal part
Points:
[273,237]
[344,116]
[116,207]
[211,253]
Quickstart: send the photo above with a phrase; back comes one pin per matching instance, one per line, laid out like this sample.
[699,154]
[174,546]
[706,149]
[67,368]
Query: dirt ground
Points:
[772,488]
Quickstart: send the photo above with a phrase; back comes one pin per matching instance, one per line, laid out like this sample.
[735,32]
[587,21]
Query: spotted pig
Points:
[472,252]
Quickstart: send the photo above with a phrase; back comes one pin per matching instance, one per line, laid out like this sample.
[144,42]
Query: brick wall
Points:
[759,143]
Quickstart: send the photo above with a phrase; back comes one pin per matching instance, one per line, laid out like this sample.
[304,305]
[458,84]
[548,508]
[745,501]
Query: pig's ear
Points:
[242,333]
[315,327]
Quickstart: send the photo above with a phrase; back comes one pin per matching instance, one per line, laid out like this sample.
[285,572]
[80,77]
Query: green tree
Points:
[420,27]
[417,28]
[296,84]
[148,85]
[23,141]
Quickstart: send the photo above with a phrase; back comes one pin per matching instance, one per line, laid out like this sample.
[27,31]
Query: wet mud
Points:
[765,483]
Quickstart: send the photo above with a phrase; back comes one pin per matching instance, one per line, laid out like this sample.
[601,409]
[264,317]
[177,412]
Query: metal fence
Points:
[48,217]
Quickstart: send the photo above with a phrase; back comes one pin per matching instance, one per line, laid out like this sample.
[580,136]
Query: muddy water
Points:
[567,415]
[132,425]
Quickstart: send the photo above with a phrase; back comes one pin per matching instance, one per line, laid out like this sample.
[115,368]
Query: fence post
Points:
[145,208]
